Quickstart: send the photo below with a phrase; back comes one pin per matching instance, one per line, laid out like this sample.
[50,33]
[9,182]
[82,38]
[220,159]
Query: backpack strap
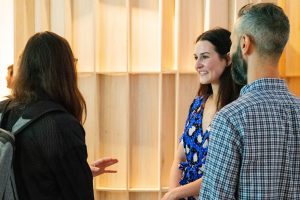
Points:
[37,110]
[3,112]
[4,133]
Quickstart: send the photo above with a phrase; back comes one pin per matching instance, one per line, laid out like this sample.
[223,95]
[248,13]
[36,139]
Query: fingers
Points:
[105,162]
[94,169]
[110,171]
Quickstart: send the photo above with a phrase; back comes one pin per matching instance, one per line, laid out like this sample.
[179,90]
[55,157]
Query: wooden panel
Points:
[113,128]
[83,40]
[42,15]
[188,26]
[233,8]
[88,87]
[167,126]
[112,196]
[23,26]
[213,10]
[282,65]
[143,141]
[61,18]
[144,40]
[263,1]
[293,46]
[188,85]
[294,85]
[143,196]
[167,35]
[111,36]
[162,194]
[282,61]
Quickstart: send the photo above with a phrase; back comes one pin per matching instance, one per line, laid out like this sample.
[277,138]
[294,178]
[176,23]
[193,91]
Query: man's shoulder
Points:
[237,106]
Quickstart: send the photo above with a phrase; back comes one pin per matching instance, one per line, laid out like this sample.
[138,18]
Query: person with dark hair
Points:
[9,76]
[50,160]
[254,145]
[216,90]
[99,166]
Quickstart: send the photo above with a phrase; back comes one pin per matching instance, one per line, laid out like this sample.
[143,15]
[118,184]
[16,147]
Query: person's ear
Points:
[228,59]
[245,44]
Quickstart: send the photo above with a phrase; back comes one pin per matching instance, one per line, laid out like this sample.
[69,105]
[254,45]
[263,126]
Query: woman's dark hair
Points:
[47,70]
[228,90]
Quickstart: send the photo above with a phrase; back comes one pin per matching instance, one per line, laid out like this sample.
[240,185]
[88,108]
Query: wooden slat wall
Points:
[133,46]
[290,61]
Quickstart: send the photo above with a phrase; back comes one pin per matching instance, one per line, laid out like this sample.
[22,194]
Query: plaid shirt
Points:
[254,147]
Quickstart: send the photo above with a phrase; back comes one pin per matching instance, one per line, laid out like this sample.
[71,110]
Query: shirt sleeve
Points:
[221,175]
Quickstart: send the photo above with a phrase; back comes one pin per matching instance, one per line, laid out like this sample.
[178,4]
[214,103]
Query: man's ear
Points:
[245,44]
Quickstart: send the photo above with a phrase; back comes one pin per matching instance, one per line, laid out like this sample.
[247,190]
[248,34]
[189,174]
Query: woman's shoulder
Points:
[197,102]
[56,122]
[56,133]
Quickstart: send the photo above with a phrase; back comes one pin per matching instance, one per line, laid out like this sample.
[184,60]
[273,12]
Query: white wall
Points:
[6,42]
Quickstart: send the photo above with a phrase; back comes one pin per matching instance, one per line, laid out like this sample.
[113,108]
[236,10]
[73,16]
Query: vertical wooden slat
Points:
[167,12]
[293,46]
[282,61]
[24,25]
[42,15]
[144,36]
[111,36]
[83,34]
[144,98]
[188,25]
[233,9]
[167,127]
[113,93]
[61,18]
[87,86]
[214,9]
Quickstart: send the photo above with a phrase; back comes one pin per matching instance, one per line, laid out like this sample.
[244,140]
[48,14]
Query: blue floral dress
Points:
[195,144]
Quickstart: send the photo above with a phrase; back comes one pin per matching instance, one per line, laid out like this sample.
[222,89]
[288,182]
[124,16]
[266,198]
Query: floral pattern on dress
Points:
[195,144]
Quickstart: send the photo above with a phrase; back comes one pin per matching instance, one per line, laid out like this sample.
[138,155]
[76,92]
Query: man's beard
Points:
[239,68]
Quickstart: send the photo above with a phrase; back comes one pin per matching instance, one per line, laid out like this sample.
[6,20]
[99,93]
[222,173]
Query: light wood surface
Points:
[144,35]
[111,39]
[113,129]
[83,35]
[143,196]
[144,164]
[293,47]
[168,108]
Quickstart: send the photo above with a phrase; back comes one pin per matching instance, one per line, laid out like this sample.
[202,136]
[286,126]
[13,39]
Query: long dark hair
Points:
[228,90]
[47,69]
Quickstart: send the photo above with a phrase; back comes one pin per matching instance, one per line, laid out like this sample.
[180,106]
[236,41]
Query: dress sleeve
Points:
[221,174]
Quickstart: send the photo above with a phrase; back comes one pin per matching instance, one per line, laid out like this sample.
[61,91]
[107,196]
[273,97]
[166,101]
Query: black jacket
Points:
[51,158]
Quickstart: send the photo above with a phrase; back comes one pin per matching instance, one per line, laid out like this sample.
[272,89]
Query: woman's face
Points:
[209,64]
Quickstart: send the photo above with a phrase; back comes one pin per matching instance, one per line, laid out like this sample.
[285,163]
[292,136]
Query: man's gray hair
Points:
[267,26]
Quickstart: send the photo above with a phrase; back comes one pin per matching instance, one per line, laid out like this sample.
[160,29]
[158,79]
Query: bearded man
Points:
[254,149]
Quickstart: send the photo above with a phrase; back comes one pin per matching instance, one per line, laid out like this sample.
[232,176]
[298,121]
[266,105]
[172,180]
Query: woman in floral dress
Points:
[216,90]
